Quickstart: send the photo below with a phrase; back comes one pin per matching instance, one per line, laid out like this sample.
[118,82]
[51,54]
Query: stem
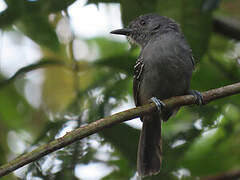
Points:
[117,118]
[231,175]
[31,67]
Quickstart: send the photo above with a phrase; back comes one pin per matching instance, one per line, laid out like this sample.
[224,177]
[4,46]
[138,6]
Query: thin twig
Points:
[29,68]
[231,175]
[227,26]
[117,118]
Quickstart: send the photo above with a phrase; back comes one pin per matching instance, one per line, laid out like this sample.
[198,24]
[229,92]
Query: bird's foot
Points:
[160,105]
[198,96]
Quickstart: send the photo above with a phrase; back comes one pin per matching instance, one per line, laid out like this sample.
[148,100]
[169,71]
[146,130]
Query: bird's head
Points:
[145,27]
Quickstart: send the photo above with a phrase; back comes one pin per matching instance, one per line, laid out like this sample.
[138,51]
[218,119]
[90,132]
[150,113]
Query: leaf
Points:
[14,109]
[121,63]
[171,9]
[102,1]
[56,5]
[15,9]
[39,30]
[196,25]
[58,89]
[105,47]
[115,136]
[134,8]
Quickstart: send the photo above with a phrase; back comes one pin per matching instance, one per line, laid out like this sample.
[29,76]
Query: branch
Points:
[117,118]
[29,68]
[231,175]
[227,26]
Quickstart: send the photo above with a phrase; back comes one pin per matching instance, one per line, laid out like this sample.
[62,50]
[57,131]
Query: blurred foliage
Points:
[198,141]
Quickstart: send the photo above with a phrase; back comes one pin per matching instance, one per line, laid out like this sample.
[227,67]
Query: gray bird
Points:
[164,69]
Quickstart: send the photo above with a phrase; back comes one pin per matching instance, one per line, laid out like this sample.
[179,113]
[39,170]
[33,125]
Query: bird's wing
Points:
[192,58]
[138,73]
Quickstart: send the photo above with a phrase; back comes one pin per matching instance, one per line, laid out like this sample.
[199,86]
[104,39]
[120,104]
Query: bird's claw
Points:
[158,103]
[198,96]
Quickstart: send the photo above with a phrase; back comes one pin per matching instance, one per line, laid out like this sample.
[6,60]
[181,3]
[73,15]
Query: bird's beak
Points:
[124,31]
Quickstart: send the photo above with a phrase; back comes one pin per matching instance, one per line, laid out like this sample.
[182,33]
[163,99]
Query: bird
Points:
[163,69]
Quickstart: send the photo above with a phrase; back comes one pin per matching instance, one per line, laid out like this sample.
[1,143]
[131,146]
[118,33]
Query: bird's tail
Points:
[150,146]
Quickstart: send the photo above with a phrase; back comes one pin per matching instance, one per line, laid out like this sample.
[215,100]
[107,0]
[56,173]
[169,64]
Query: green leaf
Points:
[56,5]
[39,30]
[14,109]
[196,25]
[14,10]
[121,63]
[134,8]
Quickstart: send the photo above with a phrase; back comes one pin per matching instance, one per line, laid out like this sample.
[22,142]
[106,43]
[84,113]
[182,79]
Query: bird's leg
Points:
[160,105]
[197,95]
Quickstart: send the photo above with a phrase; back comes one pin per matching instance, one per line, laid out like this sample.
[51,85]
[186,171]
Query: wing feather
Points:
[137,78]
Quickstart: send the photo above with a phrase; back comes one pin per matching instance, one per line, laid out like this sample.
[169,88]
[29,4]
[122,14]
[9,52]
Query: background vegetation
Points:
[199,141]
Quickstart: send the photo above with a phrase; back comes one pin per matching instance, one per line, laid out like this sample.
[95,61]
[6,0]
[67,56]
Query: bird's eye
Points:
[142,22]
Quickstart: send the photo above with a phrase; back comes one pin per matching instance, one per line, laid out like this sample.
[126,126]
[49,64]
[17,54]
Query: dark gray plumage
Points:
[163,69]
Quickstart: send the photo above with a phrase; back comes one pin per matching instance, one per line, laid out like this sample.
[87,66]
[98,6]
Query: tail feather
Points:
[150,146]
